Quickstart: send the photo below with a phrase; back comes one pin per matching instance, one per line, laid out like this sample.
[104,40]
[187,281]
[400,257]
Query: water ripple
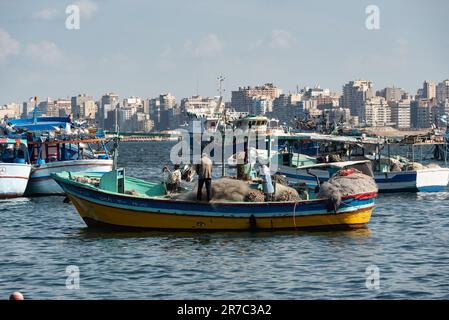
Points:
[407,240]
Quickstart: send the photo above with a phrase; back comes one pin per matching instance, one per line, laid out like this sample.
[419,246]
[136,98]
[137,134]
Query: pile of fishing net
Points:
[255,195]
[224,189]
[285,193]
[92,181]
[233,190]
[343,183]
[280,179]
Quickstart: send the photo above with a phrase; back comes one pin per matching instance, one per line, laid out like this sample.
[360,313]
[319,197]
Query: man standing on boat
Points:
[204,170]
[267,184]
[176,178]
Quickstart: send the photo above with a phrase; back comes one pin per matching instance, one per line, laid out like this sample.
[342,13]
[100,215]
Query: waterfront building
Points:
[355,93]
[442,91]
[164,112]
[63,108]
[261,105]
[392,93]
[429,90]
[242,99]
[375,112]
[83,107]
[10,111]
[47,107]
[108,102]
[421,115]
[400,113]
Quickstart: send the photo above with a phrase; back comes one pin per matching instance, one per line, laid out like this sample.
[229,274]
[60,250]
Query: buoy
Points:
[16,296]
[347,172]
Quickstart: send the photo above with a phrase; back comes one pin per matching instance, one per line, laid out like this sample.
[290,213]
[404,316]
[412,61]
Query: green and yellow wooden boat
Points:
[109,202]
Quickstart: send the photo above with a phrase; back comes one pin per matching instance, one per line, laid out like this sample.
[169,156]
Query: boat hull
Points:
[104,209]
[13,179]
[41,183]
[426,180]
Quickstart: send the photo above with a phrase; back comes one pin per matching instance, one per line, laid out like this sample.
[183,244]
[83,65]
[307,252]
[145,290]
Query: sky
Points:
[145,48]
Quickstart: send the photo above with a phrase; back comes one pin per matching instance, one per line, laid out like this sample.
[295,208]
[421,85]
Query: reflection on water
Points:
[407,240]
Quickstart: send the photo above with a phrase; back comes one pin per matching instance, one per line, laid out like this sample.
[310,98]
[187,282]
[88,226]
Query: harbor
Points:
[229,158]
[409,245]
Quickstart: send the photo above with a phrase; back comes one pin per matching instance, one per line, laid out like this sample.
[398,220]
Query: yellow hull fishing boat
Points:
[147,207]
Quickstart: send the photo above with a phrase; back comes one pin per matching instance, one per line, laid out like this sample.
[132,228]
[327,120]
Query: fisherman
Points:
[267,184]
[176,178]
[204,170]
[166,179]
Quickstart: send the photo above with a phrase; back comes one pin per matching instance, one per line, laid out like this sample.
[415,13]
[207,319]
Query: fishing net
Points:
[341,185]
[284,193]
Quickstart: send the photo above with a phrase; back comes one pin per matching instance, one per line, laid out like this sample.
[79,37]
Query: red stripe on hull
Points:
[75,165]
[13,177]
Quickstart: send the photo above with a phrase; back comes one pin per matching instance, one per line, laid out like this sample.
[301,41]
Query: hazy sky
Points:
[144,48]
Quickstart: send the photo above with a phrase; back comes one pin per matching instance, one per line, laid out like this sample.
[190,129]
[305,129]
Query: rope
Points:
[294,215]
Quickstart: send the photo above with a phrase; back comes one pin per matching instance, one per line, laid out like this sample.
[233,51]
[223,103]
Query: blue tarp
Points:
[42,123]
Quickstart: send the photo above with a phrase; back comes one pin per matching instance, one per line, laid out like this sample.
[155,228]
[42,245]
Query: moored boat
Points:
[407,175]
[144,205]
[55,144]
[14,168]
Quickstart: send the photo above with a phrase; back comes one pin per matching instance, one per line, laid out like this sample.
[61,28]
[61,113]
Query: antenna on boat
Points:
[35,111]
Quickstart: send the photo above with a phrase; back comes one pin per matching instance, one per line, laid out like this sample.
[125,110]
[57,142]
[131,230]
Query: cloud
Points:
[87,8]
[281,39]
[45,51]
[8,46]
[208,46]
[46,14]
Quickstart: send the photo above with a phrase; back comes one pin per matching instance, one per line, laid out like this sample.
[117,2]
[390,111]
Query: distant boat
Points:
[102,200]
[14,168]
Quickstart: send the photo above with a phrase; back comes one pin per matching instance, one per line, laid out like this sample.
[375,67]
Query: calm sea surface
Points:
[407,240]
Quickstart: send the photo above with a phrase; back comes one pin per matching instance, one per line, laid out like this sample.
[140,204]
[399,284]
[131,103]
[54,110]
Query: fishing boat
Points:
[114,201]
[407,179]
[57,156]
[14,168]
[56,144]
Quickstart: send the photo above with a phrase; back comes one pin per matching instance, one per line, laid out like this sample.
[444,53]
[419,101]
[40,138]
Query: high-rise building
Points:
[392,93]
[47,107]
[63,107]
[83,107]
[355,93]
[442,91]
[242,99]
[10,111]
[421,113]
[108,102]
[261,105]
[375,112]
[400,113]
[429,90]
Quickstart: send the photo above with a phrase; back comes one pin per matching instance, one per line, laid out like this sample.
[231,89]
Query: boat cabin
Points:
[13,151]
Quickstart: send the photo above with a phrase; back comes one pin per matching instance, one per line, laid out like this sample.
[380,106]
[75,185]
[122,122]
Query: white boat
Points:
[424,180]
[64,155]
[58,145]
[41,183]
[14,169]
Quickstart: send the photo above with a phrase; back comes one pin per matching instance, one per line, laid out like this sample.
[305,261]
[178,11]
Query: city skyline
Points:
[283,42]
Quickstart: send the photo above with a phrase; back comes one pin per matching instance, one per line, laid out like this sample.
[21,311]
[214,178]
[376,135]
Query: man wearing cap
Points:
[204,170]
